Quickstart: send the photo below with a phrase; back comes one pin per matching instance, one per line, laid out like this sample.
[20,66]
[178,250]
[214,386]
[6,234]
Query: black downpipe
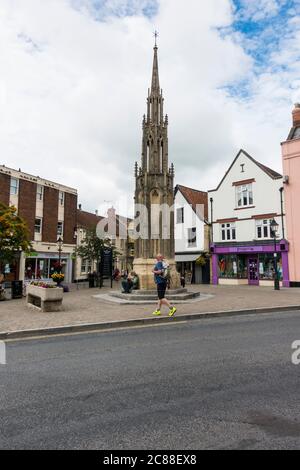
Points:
[211,219]
[282,213]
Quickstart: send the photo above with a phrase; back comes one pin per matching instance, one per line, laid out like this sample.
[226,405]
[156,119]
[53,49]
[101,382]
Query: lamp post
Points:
[60,248]
[274,229]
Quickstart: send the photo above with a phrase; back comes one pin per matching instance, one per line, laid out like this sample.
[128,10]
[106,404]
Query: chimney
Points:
[96,212]
[296,115]
[80,207]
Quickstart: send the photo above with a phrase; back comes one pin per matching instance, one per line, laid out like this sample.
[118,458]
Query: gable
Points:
[243,158]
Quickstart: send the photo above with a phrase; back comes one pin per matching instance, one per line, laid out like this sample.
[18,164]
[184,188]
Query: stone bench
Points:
[44,299]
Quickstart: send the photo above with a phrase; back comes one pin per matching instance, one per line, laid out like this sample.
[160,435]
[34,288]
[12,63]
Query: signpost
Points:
[106,266]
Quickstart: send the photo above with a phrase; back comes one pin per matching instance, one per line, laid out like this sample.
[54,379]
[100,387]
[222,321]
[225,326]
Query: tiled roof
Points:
[294,133]
[274,174]
[87,219]
[194,197]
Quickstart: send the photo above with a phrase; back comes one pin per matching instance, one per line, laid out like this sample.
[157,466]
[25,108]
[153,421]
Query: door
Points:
[253,276]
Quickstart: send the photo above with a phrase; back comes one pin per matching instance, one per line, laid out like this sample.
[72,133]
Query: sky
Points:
[74,76]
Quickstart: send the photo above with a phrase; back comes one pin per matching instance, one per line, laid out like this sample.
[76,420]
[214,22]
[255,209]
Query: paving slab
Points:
[81,307]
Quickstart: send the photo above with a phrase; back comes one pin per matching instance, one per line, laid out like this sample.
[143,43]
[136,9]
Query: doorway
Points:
[253,274]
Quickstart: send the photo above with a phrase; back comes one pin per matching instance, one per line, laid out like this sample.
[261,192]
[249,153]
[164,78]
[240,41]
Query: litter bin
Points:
[17,289]
[7,291]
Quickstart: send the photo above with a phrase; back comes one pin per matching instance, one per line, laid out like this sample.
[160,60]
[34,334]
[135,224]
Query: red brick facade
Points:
[27,204]
[70,218]
[4,188]
[50,218]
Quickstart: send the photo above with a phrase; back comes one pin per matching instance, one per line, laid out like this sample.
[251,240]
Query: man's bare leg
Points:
[166,302]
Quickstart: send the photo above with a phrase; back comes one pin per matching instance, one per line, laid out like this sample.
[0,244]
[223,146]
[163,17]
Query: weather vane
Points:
[155,34]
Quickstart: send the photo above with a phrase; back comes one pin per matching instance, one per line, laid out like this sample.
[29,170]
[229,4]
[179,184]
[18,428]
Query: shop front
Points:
[250,264]
[193,271]
[10,270]
[41,266]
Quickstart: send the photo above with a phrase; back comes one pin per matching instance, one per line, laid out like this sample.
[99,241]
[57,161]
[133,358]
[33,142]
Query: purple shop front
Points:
[250,264]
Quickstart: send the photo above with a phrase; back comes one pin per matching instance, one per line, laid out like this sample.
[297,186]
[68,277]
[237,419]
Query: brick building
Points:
[124,246]
[50,210]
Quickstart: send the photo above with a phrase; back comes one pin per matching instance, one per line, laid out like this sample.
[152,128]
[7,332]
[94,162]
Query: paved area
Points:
[214,384]
[81,307]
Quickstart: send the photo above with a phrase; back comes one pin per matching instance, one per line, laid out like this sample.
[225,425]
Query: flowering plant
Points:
[42,284]
[58,277]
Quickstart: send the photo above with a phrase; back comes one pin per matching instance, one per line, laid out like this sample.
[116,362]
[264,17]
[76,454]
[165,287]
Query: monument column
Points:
[154,191]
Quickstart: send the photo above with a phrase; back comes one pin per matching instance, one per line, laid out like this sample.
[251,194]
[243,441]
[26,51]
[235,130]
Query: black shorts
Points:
[161,290]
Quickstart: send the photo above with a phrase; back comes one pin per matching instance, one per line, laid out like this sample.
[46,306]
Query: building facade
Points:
[291,172]
[123,245]
[50,212]
[192,234]
[241,210]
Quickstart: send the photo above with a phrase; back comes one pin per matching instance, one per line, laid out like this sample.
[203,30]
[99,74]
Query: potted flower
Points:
[58,278]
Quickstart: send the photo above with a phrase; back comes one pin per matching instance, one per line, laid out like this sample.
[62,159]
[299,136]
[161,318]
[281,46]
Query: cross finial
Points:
[155,34]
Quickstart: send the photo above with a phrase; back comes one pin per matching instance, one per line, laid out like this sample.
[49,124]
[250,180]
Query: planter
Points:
[45,299]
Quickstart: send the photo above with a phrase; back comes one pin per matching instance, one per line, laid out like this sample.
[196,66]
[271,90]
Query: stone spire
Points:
[154,189]
[155,127]
[155,89]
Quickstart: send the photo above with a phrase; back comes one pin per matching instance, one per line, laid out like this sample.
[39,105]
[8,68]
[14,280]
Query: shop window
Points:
[14,186]
[244,195]
[228,232]
[228,267]
[242,272]
[30,268]
[267,267]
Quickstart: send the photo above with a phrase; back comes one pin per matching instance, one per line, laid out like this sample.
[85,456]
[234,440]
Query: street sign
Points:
[106,265]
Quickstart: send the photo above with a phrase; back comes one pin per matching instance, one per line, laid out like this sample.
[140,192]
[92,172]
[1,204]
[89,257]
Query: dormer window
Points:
[244,195]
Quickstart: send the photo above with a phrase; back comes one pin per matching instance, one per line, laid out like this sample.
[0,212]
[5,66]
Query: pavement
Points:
[212,384]
[82,308]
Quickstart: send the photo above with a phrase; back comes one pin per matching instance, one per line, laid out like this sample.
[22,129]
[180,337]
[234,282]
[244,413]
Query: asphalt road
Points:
[211,384]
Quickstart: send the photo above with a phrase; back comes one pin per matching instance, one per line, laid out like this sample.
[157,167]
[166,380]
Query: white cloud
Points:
[257,11]
[73,92]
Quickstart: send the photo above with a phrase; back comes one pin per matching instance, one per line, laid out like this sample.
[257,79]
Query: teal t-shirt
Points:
[157,277]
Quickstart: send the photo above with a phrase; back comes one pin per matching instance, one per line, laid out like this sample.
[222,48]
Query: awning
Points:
[186,258]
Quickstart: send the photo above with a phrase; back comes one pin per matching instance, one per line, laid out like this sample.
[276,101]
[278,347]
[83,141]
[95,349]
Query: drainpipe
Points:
[282,213]
[211,219]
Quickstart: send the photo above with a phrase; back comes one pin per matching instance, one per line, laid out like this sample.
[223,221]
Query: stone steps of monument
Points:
[153,297]
[154,292]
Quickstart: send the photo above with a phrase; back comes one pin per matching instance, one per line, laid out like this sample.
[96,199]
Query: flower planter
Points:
[45,299]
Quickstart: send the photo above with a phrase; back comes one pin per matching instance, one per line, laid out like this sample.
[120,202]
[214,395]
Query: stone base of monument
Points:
[144,270]
[151,295]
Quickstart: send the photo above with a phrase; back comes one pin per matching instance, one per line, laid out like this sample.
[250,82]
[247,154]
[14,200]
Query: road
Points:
[210,384]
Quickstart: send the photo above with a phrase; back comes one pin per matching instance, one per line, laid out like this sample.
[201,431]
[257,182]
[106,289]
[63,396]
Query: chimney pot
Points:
[296,115]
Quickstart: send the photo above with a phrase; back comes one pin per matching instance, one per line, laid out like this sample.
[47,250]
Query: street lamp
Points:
[60,249]
[274,229]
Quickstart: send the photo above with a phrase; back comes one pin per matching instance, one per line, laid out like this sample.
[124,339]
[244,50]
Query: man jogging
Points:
[162,282]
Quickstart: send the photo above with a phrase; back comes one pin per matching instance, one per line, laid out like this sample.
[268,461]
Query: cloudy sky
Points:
[74,76]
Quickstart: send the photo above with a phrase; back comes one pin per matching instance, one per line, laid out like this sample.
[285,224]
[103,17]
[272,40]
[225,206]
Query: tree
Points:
[14,235]
[91,247]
